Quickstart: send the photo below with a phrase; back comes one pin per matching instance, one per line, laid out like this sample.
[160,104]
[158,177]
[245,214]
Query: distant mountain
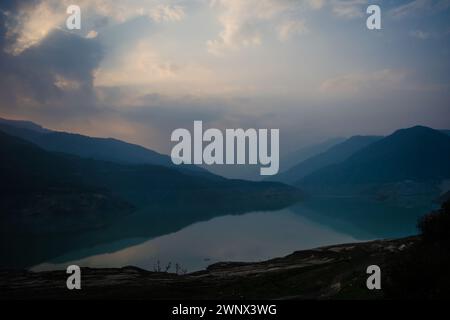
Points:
[106,149]
[24,125]
[300,155]
[252,172]
[334,154]
[49,191]
[408,161]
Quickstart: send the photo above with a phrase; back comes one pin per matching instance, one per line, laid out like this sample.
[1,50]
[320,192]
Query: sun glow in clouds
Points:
[159,65]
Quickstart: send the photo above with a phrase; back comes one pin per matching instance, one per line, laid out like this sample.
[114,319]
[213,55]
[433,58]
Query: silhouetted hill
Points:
[334,154]
[417,154]
[44,191]
[106,149]
[52,191]
[23,124]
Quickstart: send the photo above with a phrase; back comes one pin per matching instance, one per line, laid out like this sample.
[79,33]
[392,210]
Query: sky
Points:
[137,70]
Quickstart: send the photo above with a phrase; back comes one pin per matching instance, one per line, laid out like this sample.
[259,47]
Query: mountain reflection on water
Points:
[252,236]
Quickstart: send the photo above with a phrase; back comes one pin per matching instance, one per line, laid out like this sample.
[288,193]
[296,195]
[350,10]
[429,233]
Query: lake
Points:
[254,236]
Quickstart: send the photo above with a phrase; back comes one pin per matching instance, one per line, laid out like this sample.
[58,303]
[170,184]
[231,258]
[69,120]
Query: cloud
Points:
[92,34]
[410,8]
[423,35]
[316,4]
[167,13]
[142,65]
[244,22]
[54,75]
[348,9]
[123,10]
[148,70]
[355,83]
[34,21]
[417,7]
[66,84]
[133,73]
[288,29]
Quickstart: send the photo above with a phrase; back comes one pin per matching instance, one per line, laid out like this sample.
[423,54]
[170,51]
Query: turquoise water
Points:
[193,245]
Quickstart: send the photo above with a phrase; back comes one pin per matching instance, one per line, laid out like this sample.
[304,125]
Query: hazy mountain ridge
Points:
[335,154]
[418,154]
[296,157]
[24,124]
[105,149]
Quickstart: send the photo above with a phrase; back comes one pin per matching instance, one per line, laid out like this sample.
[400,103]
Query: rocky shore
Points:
[334,272]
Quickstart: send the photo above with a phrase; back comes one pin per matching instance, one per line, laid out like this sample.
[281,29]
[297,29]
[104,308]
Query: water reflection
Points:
[251,237]
[198,237]
[364,218]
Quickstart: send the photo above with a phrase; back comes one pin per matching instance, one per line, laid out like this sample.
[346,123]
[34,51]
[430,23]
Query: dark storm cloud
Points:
[30,77]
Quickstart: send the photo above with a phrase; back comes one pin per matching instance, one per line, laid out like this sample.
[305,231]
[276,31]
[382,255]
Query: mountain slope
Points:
[420,154]
[23,124]
[42,191]
[335,154]
[252,172]
[65,192]
[106,149]
[447,132]
[300,155]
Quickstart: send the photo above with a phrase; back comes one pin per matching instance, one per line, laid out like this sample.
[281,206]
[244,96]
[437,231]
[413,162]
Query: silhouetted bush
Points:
[435,226]
[423,271]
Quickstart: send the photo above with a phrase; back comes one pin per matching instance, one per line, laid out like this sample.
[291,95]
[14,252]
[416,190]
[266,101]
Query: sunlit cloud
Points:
[146,69]
[36,20]
[243,22]
[92,34]
[32,24]
[66,84]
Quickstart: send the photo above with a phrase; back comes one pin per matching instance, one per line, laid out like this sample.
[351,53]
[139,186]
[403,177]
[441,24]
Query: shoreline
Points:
[331,272]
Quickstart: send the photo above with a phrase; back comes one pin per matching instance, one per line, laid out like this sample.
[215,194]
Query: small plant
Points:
[177,268]
[157,267]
